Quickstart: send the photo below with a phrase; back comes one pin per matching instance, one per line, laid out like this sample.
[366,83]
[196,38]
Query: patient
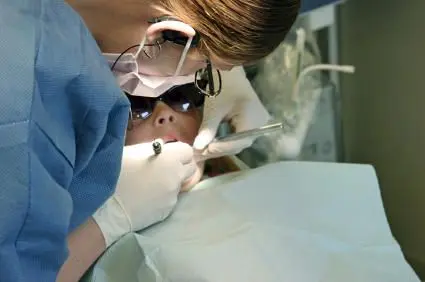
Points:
[176,115]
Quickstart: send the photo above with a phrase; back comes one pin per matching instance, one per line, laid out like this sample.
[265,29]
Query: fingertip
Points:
[203,139]
[199,144]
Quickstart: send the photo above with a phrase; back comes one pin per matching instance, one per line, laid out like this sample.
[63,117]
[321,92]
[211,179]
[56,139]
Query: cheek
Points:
[140,133]
[194,124]
[131,137]
[189,124]
[191,67]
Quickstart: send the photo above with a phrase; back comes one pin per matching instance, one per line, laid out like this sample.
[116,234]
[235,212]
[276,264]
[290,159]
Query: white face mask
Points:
[126,70]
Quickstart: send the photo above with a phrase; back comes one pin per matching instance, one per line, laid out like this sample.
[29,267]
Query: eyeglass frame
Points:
[206,74]
[163,98]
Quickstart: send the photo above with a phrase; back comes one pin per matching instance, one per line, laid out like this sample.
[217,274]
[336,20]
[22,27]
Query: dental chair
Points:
[288,221]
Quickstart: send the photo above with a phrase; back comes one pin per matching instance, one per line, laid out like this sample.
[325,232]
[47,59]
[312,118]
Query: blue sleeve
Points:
[62,122]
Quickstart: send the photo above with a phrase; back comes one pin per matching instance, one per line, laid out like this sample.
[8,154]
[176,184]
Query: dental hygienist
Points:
[63,115]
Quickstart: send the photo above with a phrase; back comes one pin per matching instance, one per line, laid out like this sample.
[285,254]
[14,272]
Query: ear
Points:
[158,28]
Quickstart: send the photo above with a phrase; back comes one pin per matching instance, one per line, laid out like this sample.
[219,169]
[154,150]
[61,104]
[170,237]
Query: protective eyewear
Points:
[182,98]
[207,80]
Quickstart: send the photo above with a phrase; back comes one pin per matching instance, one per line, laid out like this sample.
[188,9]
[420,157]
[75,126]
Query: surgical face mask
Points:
[131,75]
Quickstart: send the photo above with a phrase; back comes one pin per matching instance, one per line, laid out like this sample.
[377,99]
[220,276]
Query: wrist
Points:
[194,179]
[86,244]
[112,221]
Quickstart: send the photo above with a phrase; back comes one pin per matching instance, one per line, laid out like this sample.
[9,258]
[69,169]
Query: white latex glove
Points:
[147,188]
[239,104]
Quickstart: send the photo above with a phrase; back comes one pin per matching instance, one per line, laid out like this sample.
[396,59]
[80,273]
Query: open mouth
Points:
[170,139]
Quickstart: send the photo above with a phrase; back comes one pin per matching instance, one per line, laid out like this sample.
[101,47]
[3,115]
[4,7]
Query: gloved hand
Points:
[239,104]
[147,188]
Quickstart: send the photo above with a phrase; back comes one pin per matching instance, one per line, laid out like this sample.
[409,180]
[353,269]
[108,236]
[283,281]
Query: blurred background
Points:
[374,116]
[383,115]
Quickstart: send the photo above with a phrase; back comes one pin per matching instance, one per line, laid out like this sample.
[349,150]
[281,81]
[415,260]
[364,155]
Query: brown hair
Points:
[239,31]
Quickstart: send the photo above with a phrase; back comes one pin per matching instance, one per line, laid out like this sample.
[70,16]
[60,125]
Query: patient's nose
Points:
[163,114]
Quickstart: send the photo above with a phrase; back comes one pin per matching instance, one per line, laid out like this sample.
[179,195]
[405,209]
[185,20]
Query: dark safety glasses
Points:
[181,98]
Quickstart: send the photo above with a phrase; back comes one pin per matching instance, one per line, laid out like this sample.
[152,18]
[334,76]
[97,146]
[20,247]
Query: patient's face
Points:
[167,124]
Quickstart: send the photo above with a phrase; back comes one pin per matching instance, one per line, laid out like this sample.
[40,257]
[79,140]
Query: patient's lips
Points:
[170,138]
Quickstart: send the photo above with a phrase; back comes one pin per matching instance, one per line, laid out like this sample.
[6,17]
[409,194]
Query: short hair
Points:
[239,31]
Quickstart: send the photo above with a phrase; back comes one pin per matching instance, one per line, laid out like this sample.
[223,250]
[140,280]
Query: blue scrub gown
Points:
[62,124]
